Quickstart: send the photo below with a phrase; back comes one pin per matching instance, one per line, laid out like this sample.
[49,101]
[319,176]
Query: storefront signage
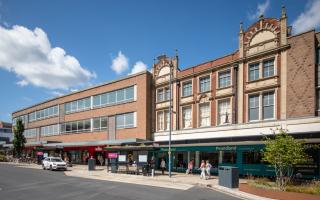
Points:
[143,158]
[39,153]
[167,149]
[122,158]
[98,149]
[226,148]
[112,155]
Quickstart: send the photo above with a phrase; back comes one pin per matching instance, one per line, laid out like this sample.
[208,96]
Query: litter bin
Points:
[145,170]
[229,176]
[91,164]
[114,165]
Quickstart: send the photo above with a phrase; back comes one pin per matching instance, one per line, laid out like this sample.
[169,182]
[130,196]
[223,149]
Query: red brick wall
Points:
[301,76]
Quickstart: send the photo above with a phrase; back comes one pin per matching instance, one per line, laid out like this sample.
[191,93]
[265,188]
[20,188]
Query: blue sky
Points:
[50,48]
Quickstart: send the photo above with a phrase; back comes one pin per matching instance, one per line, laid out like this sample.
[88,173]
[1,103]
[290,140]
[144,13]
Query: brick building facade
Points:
[221,109]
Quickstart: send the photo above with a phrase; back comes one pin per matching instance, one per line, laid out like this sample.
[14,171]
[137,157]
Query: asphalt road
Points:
[32,184]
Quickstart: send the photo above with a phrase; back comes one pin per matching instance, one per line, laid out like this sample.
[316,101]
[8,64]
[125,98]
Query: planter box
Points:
[274,194]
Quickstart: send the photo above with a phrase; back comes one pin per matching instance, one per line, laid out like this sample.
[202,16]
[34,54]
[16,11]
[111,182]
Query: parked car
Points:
[54,163]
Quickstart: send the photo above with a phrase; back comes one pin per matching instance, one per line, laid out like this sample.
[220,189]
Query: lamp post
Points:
[170,115]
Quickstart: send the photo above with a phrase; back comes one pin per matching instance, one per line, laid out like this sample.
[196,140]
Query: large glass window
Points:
[268,68]
[254,72]
[167,120]
[114,97]
[204,114]
[224,79]
[160,95]
[78,105]
[49,130]
[251,157]
[224,111]
[44,113]
[160,120]
[76,126]
[204,84]
[30,133]
[229,157]
[187,89]
[186,117]
[125,120]
[253,107]
[268,105]
[100,123]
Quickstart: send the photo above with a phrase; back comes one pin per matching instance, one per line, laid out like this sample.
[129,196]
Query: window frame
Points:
[199,81]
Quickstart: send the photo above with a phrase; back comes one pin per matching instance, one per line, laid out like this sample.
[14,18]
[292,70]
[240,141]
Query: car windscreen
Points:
[56,160]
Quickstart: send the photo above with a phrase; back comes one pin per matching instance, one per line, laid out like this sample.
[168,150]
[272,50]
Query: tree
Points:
[283,152]
[19,139]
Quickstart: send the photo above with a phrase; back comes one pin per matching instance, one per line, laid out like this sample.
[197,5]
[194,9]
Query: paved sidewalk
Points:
[179,181]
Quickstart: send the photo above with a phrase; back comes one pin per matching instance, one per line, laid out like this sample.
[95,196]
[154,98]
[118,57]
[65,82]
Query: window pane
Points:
[251,157]
[229,157]
[268,68]
[68,127]
[254,107]
[120,121]
[129,120]
[87,124]
[187,89]
[55,110]
[253,71]
[130,93]
[268,105]
[224,79]
[224,112]
[187,117]
[204,114]
[104,123]
[104,99]
[74,126]
[111,97]
[74,106]
[120,95]
[67,107]
[80,125]
[80,104]
[204,84]
[96,123]
[160,95]
[96,100]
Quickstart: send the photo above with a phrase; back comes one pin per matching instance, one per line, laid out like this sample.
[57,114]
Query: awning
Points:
[94,143]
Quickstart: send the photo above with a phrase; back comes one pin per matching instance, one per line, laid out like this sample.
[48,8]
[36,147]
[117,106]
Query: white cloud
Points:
[138,67]
[120,63]
[308,19]
[28,54]
[56,93]
[261,9]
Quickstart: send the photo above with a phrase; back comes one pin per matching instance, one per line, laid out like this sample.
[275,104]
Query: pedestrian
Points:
[152,165]
[203,170]
[208,168]
[190,167]
[163,165]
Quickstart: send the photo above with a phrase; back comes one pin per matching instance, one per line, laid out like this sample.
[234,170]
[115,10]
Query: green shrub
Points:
[3,158]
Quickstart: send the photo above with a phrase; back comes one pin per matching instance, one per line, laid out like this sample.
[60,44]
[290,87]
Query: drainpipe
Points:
[235,92]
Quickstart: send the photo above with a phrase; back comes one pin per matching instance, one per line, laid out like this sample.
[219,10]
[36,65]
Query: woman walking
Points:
[203,170]
[208,168]
[163,166]
[190,167]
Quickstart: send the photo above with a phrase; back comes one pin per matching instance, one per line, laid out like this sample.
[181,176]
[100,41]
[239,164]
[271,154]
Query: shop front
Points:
[248,158]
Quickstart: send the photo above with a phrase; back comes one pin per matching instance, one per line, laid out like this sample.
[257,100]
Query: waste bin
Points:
[145,170]
[91,164]
[114,165]
[229,176]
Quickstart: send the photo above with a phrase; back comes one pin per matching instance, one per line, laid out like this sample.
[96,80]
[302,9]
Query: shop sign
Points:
[226,148]
[112,155]
[39,153]
[167,149]
[98,149]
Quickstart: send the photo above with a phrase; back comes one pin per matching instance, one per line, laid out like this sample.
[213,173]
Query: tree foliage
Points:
[283,152]
[19,139]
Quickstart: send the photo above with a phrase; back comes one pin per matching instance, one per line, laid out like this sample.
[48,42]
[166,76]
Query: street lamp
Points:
[170,115]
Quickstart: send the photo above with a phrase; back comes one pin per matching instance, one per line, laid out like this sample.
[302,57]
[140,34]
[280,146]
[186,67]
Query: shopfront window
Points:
[229,157]
[251,157]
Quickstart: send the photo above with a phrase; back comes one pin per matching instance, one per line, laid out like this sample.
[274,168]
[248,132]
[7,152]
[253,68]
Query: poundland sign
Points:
[226,148]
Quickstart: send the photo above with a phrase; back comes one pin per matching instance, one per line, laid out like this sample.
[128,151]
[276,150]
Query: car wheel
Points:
[51,167]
